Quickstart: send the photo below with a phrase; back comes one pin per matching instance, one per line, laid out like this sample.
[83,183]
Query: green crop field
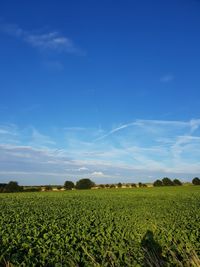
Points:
[108,227]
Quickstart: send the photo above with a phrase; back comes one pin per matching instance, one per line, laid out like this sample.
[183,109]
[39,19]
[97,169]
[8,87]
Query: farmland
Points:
[106,227]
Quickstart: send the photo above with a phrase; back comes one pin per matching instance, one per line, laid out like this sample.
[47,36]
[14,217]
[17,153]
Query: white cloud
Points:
[83,169]
[39,139]
[97,174]
[130,152]
[52,40]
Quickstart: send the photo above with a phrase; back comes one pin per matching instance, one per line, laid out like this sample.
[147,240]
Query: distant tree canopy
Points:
[12,186]
[167,181]
[2,187]
[196,181]
[158,183]
[177,182]
[48,188]
[133,185]
[142,185]
[119,185]
[68,185]
[85,184]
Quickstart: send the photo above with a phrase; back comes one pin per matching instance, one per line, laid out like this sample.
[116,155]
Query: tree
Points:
[196,181]
[68,185]
[177,182]
[119,185]
[48,187]
[13,186]
[167,181]
[2,187]
[112,186]
[133,185]
[85,184]
[158,183]
[101,186]
[140,184]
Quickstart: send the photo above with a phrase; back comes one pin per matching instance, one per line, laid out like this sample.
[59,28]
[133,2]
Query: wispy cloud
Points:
[39,139]
[98,174]
[51,41]
[136,151]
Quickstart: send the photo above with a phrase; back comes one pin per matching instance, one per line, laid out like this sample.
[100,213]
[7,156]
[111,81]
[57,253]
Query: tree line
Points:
[176,182]
[86,183]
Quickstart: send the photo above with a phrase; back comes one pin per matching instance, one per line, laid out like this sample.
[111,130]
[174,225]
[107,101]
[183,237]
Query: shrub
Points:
[32,189]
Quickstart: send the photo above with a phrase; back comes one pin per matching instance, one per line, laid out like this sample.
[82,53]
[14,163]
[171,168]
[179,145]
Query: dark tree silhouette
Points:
[13,186]
[167,181]
[119,185]
[68,185]
[84,184]
[133,185]
[196,181]
[158,183]
[177,182]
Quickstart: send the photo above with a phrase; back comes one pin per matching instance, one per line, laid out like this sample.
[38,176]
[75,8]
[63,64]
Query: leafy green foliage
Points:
[12,186]
[84,184]
[177,182]
[142,185]
[133,185]
[158,183]
[68,185]
[196,181]
[119,185]
[99,227]
[167,181]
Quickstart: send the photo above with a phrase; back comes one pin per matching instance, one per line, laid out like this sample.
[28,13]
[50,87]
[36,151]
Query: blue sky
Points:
[100,89]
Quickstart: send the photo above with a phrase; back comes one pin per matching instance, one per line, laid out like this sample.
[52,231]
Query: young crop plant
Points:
[101,227]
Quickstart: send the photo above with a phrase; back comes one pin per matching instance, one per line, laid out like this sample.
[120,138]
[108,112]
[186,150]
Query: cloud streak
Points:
[45,41]
[136,151]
